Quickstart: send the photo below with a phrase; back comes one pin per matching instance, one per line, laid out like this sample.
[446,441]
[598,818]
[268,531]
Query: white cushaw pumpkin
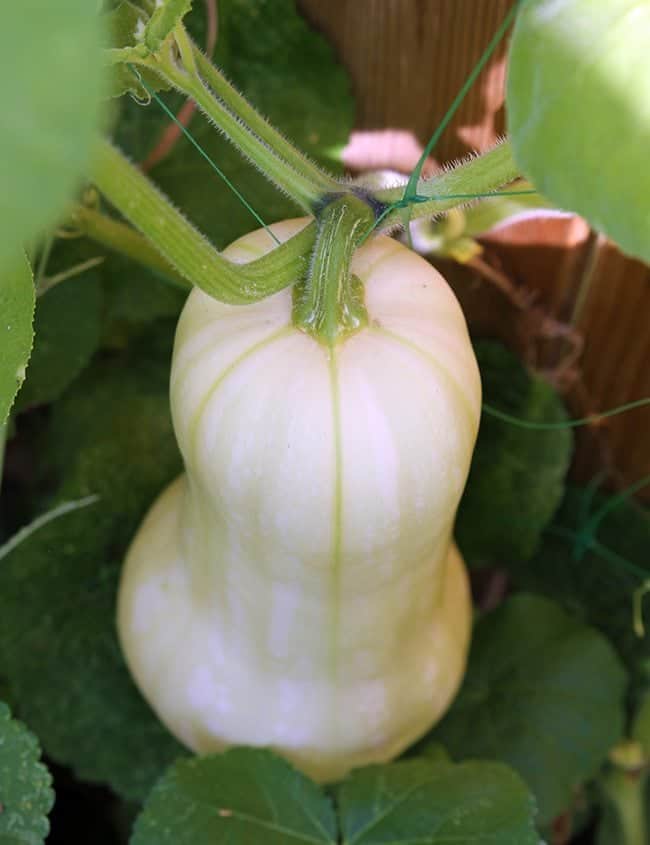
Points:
[298,587]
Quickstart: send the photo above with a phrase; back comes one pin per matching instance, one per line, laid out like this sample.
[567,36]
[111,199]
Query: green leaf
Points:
[67,332]
[597,585]
[515,472]
[163,20]
[577,106]
[26,795]
[242,796]
[111,437]
[542,693]
[418,802]
[50,92]
[120,27]
[135,297]
[16,333]
[288,73]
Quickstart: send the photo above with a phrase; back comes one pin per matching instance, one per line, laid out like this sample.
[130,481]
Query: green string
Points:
[591,525]
[410,190]
[586,501]
[420,198]
[152,94]
[584,539]
[602,551]
[558,426]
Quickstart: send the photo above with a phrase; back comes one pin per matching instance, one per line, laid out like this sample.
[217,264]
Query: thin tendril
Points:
[558,426]
[197,146]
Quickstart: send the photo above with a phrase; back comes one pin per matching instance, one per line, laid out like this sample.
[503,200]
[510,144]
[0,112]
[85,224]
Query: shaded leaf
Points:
[67,330]
[577,95]
[516,479]
[51,101]
[418,802]
[112,438]
[26,795]
[16,333]
[597,585]
[542,693]
[242,796]
[135,296]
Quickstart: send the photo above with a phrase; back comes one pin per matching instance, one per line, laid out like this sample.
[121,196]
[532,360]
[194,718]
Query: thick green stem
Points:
[626,790]
[329,305]
[481,175]
[261,127]
[186,249]
[302,188]
[121,238]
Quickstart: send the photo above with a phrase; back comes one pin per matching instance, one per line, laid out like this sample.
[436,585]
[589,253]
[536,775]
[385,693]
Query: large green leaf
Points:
[67,332]
[427,802]
[16,333]
[50,90]
[592,566]
[578,106]
[111,438]
[516,471]
[290,74]
[542,693]
[242,797]
[26,795]
[136,297]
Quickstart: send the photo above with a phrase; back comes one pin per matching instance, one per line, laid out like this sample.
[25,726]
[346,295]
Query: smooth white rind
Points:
[300,589]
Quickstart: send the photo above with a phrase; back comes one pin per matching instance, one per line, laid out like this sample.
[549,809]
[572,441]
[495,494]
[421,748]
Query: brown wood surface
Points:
[407,60]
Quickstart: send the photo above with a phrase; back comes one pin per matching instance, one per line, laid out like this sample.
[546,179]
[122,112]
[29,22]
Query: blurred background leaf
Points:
[516,480]
[51,94]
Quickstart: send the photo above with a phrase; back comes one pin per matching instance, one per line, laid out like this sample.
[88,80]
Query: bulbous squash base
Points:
[213,692]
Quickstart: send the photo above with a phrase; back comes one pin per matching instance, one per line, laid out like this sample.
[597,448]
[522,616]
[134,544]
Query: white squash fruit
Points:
[298,588]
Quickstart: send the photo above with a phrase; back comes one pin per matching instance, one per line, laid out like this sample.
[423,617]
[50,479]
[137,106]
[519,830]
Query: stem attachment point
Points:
[329,304]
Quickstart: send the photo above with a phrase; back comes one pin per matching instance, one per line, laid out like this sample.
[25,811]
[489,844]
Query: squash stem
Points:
[626,791]
[305,185]
[122,238]
[261,127]
[184,247]
[329,304]
[481,175]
